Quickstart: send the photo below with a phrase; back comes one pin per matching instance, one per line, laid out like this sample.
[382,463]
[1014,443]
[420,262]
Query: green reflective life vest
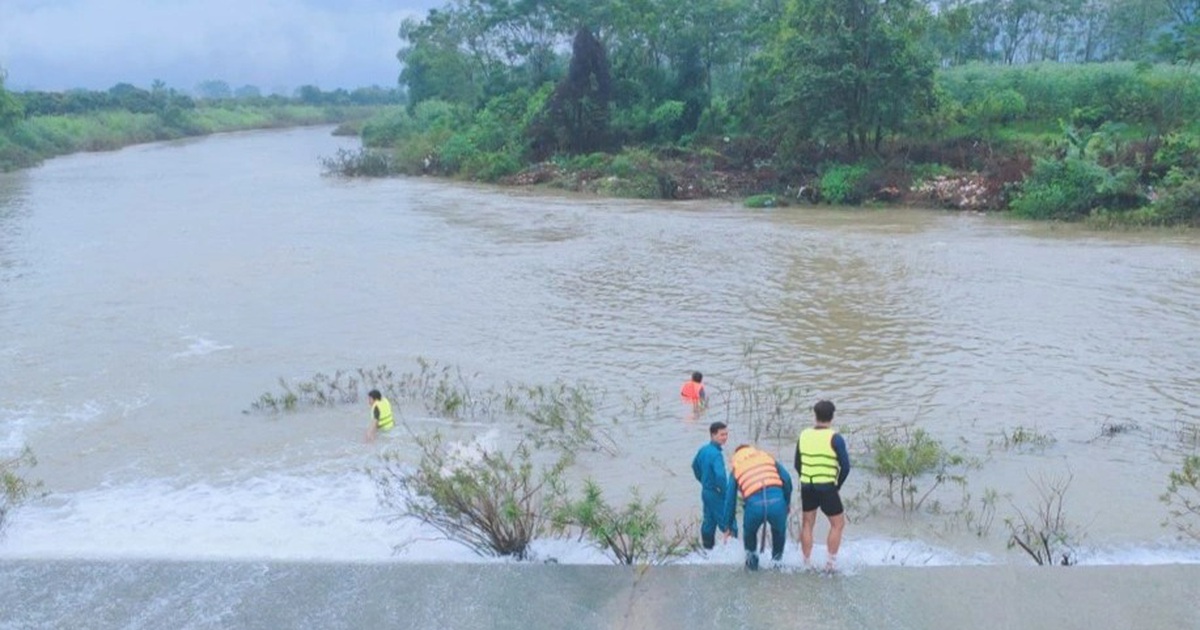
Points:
[818,460]
[384,422]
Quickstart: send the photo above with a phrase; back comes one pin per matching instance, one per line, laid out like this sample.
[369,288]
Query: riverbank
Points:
[32,140]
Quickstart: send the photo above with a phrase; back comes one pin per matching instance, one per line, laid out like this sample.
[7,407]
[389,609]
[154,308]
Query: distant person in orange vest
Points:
[823,464]
[693,391]
[766,490]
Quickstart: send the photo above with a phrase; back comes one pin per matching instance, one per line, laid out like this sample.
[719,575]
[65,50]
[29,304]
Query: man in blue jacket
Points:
[766,490]
[709,468]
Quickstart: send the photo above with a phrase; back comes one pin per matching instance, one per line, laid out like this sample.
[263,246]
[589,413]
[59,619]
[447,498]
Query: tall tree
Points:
[852,68]
[10,107]
[577,115]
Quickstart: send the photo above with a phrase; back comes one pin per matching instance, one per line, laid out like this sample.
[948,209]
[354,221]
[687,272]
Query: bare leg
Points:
[834,542]
[807,522]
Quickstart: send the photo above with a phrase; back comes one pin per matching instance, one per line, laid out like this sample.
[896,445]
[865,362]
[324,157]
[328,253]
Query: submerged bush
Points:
[494,502]
[901,456]
[1183,497]
[361,163]
[633,534]
[1044,533]
[15,489]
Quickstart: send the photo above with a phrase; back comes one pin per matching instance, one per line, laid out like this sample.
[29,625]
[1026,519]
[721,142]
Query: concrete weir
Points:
[223,594]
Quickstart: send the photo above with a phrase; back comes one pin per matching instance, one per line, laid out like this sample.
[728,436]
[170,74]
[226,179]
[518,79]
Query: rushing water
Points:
[150,295]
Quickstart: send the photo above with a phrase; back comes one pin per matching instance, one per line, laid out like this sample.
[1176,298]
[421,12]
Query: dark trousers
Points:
[765,507]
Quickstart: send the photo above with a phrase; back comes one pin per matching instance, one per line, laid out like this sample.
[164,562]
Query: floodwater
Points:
[149,296]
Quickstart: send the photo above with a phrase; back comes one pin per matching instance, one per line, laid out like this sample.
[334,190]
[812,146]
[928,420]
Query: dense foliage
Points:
[850,101]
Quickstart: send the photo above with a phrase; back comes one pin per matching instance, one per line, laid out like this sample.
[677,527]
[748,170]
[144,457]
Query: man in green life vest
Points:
[823,464]
[381,414]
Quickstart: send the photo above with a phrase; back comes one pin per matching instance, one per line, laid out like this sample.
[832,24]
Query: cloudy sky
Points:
[276,45]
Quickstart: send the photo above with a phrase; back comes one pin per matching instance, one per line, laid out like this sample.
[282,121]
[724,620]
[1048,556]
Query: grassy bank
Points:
[1112,144]
[30,140]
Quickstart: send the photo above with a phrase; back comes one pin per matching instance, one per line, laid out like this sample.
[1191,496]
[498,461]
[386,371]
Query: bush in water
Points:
[1183,497]
[902,456]
[493,502]
[633,534]
[14,488]
[1046,535]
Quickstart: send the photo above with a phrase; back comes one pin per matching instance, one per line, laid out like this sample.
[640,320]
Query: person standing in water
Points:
[381,414]
[693,391]
[823,463]
[709,468]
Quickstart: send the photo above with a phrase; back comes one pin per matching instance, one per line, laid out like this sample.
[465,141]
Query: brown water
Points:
[149,295]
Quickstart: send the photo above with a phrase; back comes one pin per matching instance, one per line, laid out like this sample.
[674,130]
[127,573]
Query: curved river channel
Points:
[149,296]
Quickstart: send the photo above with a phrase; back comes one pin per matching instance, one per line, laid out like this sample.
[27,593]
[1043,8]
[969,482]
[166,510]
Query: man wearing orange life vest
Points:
[693,391]
[823,464]
[766,489]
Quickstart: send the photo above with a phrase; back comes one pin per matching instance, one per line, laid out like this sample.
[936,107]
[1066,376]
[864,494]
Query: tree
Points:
[435,64]
[851,68]
[213,89]
[577,115]
[10,108]
[248,92]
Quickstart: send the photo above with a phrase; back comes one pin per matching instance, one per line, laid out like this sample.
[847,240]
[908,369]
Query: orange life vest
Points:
[691,391]
[754,470]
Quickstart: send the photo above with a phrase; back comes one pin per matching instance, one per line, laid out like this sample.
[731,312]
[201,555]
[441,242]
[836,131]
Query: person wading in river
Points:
[693,391]
[766,488]
[823,463]
[381,414]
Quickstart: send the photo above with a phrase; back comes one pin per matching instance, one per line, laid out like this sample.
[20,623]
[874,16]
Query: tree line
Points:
[802,86]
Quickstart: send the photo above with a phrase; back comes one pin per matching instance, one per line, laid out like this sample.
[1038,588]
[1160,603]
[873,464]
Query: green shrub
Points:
[492,501]
[15,489]
[1066,189]
[1183,497]
[902,456]
[844,184]
[1179,205]
[633,534]
[387,129]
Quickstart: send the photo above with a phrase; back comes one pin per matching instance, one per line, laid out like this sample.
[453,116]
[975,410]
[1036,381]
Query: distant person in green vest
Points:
[381,414]
[822,462]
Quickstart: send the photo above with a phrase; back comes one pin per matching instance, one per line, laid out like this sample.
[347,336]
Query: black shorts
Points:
[821,495]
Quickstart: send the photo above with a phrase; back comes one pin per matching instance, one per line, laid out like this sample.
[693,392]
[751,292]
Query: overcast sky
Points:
[276,45]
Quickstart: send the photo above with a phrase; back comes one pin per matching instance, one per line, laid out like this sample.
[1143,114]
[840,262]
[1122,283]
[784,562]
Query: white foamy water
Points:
[198,347]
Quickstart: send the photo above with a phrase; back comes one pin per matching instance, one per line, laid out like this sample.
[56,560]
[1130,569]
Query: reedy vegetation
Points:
[497,499]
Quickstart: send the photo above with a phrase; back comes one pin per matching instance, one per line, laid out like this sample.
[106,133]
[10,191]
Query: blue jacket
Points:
[709,468]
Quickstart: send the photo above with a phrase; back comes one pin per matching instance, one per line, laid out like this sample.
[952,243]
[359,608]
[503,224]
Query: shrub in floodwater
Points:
[362,162]
[759,408]
[633,534]
[492,501]
[1023,438]
[561,415]
[15,489]
[1183,497]
[1044,533]
[901,456]
[764,201]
